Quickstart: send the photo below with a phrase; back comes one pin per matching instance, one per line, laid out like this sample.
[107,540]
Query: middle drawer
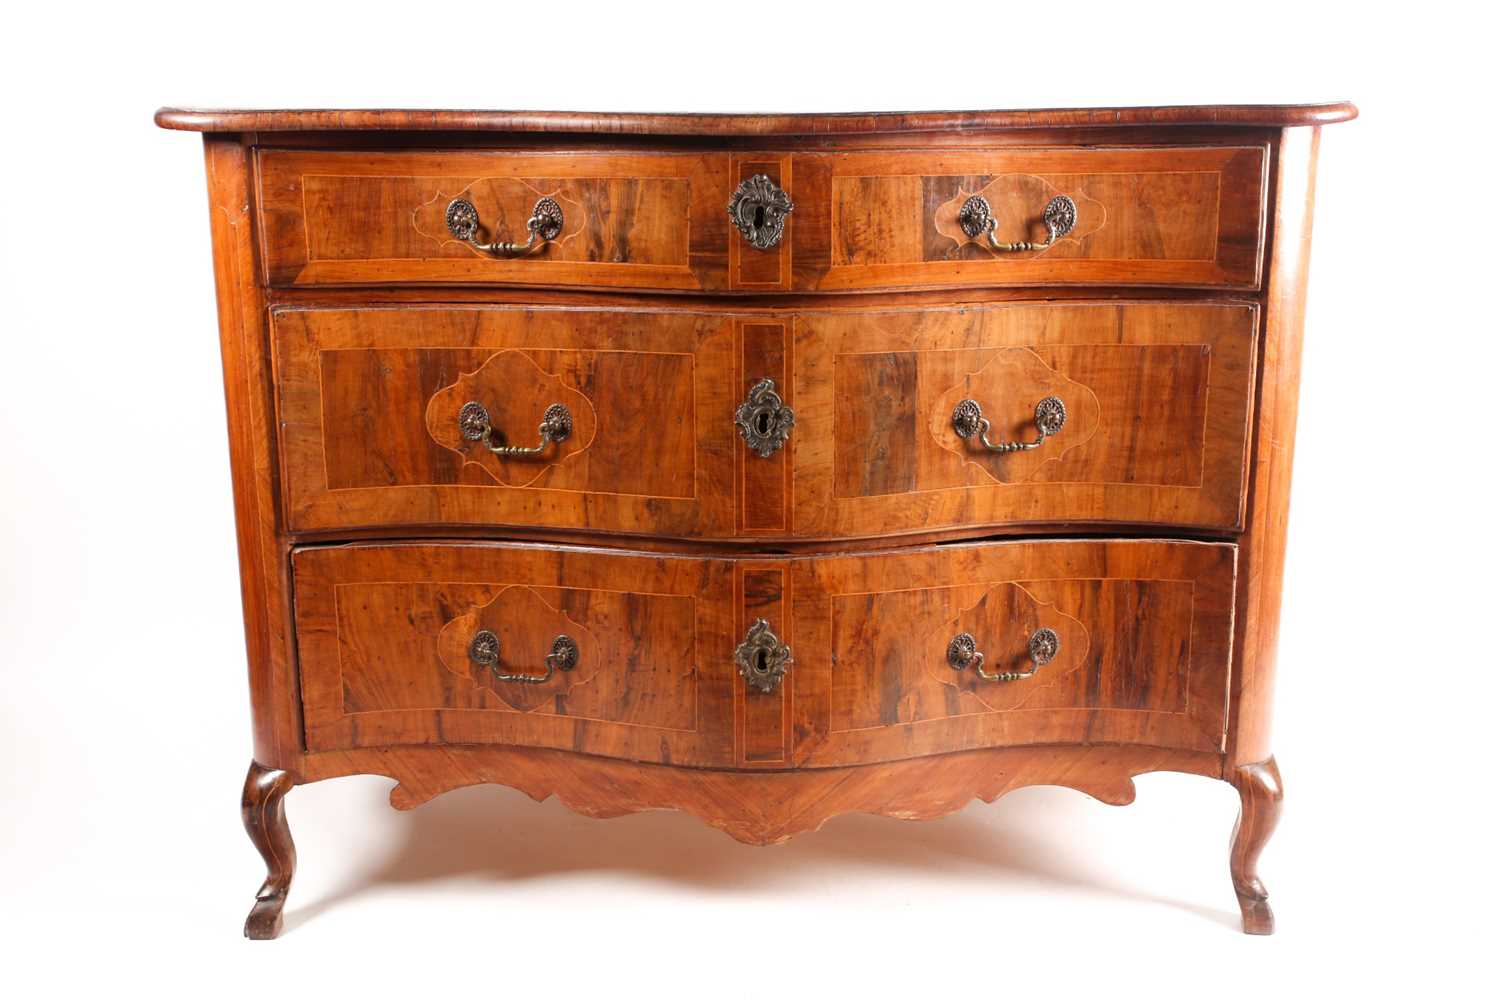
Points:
[873,422]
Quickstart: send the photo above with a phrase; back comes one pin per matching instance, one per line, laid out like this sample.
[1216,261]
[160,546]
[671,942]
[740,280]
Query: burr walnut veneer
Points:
[762,467]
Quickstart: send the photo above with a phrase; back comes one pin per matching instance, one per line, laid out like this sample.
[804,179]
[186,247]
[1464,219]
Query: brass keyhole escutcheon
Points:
[765,422]
[762,659]
[759,209]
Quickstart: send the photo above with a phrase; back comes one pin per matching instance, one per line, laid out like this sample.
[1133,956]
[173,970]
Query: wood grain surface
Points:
[383,662]
[1257,626]
[1259,785]
[370,400]
[1157,428]
[612,123]
[760,807]
[1143,658]
[1185,215]
[630,220]
[1158,411]
[263,811]
[384,631]
[1167,216]
[375,541]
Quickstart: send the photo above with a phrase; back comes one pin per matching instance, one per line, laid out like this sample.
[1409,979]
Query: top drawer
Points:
[1151,216]
[651,221]
[1166,216]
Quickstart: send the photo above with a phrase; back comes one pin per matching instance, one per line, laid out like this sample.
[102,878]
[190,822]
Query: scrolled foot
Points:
[1259,786]
[265,821]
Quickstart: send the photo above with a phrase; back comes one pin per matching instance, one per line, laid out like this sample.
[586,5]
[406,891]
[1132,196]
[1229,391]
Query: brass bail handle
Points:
[976,219]
[964,652]
[969,420]
[544,226]
[484,649]
[474,424]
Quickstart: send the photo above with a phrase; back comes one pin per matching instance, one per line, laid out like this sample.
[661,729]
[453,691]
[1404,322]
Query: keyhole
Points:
[760,217]
[763,423]
[762,666]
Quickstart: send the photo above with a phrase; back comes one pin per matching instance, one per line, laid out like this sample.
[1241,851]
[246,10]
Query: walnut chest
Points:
[762,467]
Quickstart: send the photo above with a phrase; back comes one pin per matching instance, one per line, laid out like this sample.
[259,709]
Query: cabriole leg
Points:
[265,821]
[1259,786]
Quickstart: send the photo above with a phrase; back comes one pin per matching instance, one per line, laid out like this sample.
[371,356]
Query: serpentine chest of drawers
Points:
[953,457]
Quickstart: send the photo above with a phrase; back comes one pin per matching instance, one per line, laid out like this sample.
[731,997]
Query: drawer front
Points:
[641,220]
[387,634]
[1154,399]
[1140,644]
[374,430]
[1167,216]
[1155,405]
[404,644]
[1190,216]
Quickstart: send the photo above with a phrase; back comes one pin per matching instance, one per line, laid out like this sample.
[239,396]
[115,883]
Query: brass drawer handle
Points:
[484,649]
[474,424]
[969,420]
[1060,216]
[762,658]
[765,422]
[964,652]
[544,226]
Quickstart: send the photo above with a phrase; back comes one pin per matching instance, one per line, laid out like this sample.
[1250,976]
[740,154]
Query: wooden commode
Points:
[766,467]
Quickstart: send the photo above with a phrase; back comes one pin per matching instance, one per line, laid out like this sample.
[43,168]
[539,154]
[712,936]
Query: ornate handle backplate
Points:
[484,649]
[969,420]
[1060,216]
[544,226]
[762,658]
[765,422]
[474,424]
[963,652]
[759,209]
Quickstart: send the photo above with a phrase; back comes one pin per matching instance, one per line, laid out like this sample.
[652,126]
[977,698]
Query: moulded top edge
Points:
[872,123]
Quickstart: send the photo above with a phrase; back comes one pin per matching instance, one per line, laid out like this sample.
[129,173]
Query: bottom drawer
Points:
[391,651]
[893,654]
[1131,641]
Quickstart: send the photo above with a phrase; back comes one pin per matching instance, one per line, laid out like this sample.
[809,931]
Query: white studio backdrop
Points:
[124,728]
